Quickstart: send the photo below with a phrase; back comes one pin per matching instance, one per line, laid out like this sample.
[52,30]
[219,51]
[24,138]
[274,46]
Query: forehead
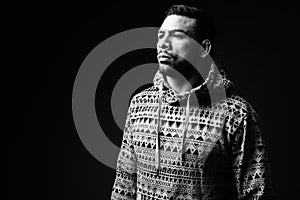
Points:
[177,22]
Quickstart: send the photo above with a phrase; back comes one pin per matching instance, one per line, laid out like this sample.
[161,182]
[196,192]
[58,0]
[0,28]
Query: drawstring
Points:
[186,124]
[157,153]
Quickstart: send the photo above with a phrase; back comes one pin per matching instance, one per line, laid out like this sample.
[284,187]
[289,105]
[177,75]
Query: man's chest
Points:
[204,134]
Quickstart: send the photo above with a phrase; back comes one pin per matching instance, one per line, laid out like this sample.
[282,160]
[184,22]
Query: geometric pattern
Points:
[225,154]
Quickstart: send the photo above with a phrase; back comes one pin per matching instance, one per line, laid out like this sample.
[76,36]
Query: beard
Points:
[178,68]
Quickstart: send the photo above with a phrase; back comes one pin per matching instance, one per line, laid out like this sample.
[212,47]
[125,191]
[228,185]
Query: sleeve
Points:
[250,162]
[124,187]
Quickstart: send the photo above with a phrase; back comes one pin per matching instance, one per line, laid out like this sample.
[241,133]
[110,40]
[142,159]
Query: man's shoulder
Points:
[144,93]
[238,109]
[239,105]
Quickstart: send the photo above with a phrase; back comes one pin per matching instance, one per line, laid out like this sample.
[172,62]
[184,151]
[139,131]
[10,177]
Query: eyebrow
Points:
[174,30]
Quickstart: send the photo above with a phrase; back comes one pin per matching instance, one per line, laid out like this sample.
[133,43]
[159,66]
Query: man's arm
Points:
[250,162]
[124,187]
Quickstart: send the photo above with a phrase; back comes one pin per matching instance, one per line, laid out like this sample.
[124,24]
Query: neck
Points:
[178,84]
[186,80]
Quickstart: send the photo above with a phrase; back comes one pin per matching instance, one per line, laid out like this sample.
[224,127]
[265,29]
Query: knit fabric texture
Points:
[224,149]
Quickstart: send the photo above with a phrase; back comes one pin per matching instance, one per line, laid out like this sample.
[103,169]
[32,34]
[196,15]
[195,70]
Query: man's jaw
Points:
[166,68]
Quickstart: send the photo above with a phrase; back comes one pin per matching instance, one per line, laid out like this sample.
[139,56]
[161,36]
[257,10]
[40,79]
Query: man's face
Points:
[174,44]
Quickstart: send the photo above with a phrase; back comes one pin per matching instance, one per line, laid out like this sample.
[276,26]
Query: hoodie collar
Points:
[216,80]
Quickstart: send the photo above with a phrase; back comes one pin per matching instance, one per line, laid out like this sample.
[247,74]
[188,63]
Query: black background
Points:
[47,42]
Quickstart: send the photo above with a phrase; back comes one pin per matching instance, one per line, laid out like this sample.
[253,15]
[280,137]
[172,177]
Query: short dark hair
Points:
[204,27]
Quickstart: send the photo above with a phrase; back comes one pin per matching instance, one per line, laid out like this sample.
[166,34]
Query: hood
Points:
[215,82]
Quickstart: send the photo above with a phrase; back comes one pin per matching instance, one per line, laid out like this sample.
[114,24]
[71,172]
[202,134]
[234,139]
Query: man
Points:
[189,137]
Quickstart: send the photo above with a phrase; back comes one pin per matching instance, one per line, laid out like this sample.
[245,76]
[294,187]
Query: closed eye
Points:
[178,35]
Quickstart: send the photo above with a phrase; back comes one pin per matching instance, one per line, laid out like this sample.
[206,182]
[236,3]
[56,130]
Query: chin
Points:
[165,69]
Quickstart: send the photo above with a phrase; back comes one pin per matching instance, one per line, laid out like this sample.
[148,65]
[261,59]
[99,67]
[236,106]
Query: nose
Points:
[163,44]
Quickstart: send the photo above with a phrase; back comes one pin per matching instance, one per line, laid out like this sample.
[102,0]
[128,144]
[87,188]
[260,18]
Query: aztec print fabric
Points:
[224,150]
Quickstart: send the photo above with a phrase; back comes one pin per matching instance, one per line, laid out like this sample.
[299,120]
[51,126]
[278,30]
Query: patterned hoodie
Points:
[188,146]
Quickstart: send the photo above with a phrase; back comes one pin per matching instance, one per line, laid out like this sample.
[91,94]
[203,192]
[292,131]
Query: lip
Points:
[163,56]
[165,62]
[164,59]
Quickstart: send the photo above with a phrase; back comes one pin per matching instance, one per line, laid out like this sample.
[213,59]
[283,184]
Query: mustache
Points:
[164,54]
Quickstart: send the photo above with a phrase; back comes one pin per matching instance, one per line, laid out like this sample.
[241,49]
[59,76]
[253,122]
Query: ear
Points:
[207,47]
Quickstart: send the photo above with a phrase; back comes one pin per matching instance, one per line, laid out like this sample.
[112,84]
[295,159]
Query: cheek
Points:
[183,50]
